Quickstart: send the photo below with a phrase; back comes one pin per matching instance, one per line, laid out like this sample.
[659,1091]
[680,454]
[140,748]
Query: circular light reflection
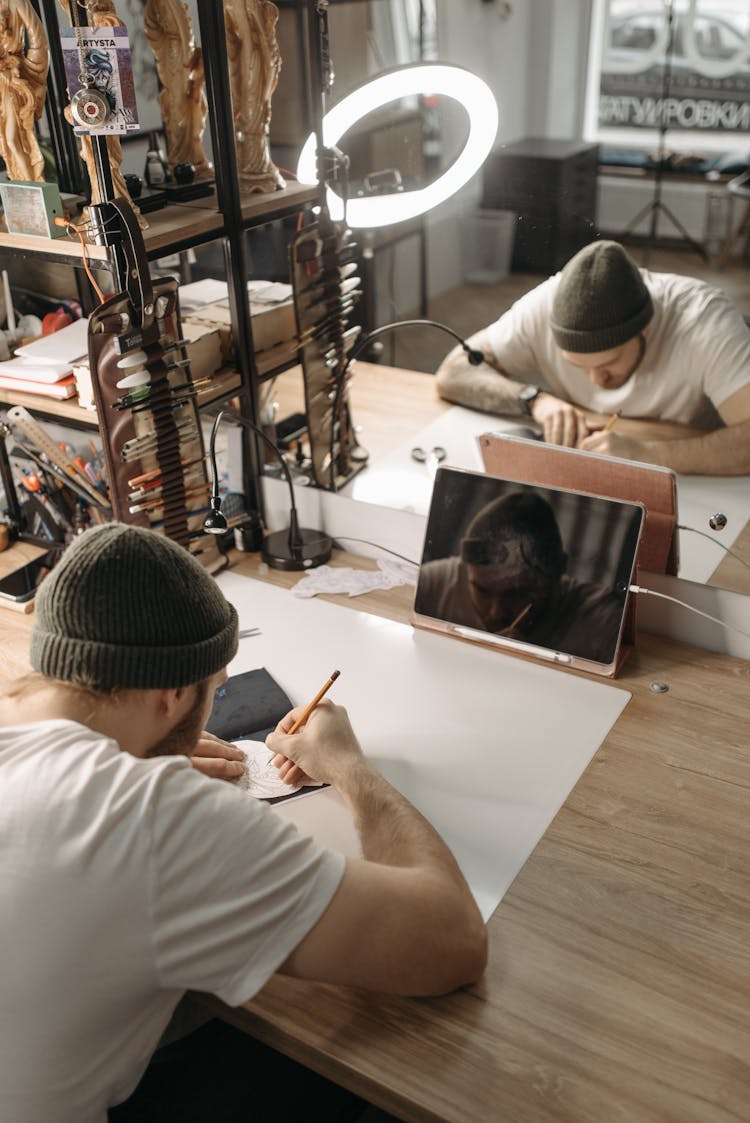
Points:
[427,78]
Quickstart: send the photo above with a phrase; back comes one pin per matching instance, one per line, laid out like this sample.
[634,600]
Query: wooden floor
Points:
[470,307]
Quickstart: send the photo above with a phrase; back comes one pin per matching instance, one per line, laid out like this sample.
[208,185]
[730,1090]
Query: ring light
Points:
[427,78]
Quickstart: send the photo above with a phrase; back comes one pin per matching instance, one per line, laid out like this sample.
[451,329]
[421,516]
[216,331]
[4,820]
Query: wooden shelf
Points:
[257,209]
[172,227]
[225,383]
[67,410]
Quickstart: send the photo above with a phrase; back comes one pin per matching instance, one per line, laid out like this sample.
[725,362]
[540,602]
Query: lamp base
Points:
[314,549]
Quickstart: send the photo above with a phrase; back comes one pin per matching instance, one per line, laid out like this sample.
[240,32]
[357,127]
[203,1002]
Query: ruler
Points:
[21,417]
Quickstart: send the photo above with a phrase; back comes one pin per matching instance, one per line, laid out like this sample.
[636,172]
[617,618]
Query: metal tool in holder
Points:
[146,403]
[326,291]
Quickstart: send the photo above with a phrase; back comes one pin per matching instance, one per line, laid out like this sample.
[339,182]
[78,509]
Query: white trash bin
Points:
[487,245]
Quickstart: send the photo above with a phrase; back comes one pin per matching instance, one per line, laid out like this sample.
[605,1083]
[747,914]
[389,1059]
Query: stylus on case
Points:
[503,641]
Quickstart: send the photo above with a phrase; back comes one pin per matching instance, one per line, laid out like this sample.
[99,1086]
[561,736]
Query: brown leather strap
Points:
[139,287]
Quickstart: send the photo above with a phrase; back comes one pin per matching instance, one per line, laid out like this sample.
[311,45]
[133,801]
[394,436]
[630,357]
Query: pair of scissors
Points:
[430,459]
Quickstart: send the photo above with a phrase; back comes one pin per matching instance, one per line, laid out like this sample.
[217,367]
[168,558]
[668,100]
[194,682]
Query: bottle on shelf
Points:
[156,169]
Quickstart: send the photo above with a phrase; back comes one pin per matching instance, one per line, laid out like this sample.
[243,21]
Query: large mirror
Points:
[557,72]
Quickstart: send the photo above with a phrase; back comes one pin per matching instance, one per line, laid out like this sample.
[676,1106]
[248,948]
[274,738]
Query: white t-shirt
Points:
[697,353]
[124,882]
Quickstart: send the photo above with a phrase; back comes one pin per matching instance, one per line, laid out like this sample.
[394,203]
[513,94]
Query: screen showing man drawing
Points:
[539,566]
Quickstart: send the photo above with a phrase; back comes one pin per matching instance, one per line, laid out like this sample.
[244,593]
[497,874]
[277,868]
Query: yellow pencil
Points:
[311,706]
[611,422]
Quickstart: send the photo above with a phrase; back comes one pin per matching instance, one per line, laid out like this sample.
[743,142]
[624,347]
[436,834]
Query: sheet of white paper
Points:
[698,498]
[198,293]
[261,778]
[355,582]
[487,745]
[42,370]
[269,292]
[63,346]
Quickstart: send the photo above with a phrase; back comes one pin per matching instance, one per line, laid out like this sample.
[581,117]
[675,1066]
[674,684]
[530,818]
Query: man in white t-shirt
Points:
[128,877]
[604,338]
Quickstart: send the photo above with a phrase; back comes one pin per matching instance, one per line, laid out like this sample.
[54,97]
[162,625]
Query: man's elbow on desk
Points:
[409,932]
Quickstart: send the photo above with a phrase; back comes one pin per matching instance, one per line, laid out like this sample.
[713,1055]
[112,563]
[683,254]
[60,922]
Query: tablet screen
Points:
[539,569]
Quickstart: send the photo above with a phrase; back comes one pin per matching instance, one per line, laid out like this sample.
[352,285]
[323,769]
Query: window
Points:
[690,75]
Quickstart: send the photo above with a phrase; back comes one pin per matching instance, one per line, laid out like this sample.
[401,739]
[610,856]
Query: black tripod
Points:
[656,206]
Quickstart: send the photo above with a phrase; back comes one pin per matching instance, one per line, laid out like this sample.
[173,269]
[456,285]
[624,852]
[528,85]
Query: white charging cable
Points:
[690,608]
[726,549]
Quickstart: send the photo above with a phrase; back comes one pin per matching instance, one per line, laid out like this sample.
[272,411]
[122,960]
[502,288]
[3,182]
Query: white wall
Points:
[534,62]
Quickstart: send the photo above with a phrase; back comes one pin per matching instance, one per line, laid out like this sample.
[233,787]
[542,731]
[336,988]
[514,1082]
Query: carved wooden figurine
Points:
[182,98]
[254,65]
[24,62]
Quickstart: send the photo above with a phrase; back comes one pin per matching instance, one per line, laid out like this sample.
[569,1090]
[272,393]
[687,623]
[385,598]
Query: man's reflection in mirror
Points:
[509,578]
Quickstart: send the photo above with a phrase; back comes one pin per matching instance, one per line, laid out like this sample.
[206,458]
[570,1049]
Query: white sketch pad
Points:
[486,745]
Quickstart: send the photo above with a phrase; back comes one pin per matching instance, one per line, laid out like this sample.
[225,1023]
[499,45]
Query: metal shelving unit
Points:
[226,217]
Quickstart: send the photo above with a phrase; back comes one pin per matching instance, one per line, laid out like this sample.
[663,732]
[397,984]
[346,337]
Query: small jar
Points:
[156,173]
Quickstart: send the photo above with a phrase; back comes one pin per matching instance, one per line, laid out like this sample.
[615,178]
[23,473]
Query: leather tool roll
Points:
[323,303]
[151,426]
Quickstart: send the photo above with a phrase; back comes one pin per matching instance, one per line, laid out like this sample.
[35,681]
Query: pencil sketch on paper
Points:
[260,778]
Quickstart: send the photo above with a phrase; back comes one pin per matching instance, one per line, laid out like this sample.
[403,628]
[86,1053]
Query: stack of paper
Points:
[47,378]
[45,366]
[271,309]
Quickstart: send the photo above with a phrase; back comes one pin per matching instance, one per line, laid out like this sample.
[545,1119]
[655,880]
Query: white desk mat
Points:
[486,745]
[397,480]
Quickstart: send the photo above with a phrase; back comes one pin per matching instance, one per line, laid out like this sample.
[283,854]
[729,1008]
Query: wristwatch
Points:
[526,397]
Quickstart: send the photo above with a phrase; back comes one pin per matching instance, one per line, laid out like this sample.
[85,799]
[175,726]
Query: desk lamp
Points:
[296,548]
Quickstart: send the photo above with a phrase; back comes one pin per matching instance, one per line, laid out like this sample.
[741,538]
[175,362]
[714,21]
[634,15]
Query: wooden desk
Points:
[390,405]
[619,974]
[619,978]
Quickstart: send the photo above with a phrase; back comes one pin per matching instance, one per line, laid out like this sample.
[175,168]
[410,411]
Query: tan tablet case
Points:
[516,458]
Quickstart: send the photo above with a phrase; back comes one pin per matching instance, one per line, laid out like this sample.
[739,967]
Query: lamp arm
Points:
[475,357]
[240,420]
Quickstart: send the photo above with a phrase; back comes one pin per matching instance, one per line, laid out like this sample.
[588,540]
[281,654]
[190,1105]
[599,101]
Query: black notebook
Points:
[248,707]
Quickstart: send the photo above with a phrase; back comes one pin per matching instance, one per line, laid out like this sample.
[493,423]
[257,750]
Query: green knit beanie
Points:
[601,300]
[129,608]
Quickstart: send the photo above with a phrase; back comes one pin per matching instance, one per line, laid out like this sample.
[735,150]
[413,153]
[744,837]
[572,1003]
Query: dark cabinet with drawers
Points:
[551,186]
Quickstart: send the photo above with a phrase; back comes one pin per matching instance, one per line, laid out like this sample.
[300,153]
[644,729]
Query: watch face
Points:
[89,108]
[527,395]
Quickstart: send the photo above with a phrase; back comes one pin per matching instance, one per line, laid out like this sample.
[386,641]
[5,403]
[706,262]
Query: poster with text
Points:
[98,60]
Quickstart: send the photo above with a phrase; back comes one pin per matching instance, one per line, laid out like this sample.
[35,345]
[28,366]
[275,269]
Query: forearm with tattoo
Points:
[485,387]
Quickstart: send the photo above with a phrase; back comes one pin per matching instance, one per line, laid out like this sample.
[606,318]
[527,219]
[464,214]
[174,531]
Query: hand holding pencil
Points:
[311,706]
[610,441]
[318,744]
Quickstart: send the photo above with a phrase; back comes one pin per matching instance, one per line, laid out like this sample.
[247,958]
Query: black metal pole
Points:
[70,173]
[656,205]
[221,123]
